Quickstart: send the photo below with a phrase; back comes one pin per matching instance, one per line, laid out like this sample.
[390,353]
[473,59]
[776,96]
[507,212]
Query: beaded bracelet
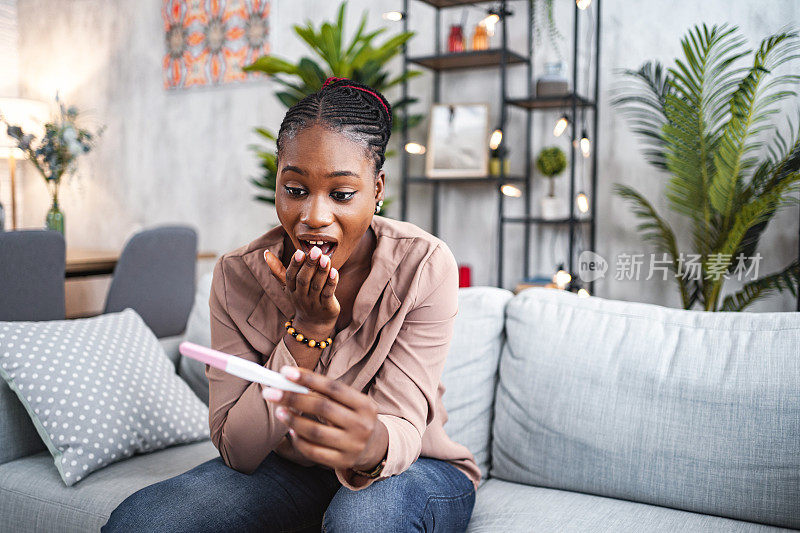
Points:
[302,338]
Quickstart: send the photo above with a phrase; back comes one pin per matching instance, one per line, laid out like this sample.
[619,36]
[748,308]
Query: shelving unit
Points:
[502,58]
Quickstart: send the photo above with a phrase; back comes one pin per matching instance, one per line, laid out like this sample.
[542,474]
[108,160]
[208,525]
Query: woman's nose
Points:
[317,213]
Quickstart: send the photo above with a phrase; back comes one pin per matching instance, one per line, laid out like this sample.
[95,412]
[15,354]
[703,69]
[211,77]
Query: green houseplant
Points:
[361,60]
[705,121]
[55,154]
[551,162]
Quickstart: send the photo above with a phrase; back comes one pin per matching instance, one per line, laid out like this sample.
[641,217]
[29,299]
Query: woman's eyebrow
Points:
[333,174]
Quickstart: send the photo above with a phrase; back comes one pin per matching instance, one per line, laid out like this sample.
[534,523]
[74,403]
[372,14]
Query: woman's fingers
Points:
[295,263]
[326,296]
[320,406]
[307,271]
[341,393]
[313,431]
[318,280]
[276,267]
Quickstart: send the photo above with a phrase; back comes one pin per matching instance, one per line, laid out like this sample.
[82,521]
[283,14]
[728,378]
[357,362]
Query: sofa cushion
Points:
[198,331]
[33,497]
[470,371]
[98,390]
[685,409]
[512,507]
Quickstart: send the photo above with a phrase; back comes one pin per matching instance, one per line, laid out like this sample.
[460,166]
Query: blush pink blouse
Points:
[393,350]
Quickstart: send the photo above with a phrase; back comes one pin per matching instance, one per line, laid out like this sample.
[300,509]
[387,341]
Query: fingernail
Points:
[314,253]
[290,372]
[272,394]
[333,273]
[323,261]
[280,412]
[292,433]
[298,255]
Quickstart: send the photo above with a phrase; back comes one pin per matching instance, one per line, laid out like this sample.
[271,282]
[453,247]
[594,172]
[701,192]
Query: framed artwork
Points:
[209,41]
[458,141]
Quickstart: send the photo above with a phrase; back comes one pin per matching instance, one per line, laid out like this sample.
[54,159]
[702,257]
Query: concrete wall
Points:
[181,156]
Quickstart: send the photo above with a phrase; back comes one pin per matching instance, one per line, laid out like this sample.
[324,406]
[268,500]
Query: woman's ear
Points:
[380,181]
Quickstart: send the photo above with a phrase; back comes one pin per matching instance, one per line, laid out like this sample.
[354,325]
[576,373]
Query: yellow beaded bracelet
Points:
[302,338]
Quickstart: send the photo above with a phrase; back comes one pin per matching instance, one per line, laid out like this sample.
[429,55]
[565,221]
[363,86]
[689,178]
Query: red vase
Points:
[464,276]
[455,41]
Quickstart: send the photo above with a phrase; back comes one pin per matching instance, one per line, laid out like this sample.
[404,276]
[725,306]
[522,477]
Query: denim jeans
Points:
[282,496]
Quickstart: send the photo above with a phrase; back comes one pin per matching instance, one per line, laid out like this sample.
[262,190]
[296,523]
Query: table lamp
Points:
[30,115]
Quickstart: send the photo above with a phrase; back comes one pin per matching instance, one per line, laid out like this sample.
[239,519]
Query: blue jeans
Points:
[282,496]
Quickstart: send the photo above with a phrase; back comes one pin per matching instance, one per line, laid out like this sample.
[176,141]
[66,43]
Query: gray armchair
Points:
[155,276]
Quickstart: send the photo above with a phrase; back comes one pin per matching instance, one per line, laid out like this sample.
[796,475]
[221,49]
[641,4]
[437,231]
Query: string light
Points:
[586,145]
[415,148]
[511,190]
[562,278]
[495,139]
[561,126]
[583,4]
[394,16]
[489,22]
[583,293]
[582,202]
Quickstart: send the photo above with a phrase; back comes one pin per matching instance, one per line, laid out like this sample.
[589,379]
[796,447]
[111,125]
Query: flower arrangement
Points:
[55,153]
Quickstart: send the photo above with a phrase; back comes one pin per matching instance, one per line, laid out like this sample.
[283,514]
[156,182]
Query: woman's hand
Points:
[351,435]
[310,282]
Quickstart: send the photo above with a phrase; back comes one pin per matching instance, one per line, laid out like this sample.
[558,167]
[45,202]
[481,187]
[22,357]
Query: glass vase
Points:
[55,218]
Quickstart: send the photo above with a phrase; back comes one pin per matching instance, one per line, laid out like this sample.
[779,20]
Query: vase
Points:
[552,208]
[455,41]
[55,218]
[554,82]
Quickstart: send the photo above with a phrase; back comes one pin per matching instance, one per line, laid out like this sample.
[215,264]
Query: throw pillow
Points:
[98,390]
[198,331]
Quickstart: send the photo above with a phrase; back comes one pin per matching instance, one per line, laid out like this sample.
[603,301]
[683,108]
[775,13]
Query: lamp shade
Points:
[30,115]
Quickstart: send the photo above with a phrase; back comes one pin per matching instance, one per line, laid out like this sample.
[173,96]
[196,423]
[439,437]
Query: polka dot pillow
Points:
[98,390]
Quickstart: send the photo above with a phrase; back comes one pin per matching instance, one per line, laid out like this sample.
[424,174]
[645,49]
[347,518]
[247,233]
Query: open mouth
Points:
[326,247]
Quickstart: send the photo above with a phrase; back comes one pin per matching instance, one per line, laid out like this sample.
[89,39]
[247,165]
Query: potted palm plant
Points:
[704,121]
[361,60]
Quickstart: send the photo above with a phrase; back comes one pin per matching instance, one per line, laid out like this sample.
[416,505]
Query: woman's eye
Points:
[294,191]
[342,196]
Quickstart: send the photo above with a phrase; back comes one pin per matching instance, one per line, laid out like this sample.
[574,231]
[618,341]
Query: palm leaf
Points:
[746,111]
[787,279]
[657,231]
[643,100]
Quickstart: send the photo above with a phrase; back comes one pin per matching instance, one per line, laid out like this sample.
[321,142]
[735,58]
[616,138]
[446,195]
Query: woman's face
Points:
[326,190]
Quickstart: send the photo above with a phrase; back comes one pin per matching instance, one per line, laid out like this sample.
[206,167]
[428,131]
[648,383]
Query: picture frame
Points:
[458,141]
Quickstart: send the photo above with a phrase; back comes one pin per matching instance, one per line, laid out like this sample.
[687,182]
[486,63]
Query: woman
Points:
[356,307]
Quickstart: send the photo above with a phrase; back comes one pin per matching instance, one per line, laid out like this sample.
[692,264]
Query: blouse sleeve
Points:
[406,386]
[242,424]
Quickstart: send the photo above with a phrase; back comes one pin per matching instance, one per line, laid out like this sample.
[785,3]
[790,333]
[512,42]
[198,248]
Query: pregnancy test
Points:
[239,367]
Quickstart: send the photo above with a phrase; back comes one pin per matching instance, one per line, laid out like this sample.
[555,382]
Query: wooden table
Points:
[86,262]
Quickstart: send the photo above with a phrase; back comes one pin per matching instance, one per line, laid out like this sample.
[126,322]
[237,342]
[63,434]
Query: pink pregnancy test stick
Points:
[239,367]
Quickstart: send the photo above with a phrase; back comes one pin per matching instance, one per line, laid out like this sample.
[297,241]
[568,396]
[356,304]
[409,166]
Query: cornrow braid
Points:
[358,111]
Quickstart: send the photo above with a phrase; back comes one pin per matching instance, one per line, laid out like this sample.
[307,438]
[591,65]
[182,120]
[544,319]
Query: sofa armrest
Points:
[170,345]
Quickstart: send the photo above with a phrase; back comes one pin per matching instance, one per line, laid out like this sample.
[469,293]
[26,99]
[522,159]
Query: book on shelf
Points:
[535,281]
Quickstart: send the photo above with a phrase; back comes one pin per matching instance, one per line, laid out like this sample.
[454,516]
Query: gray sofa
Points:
[584,414]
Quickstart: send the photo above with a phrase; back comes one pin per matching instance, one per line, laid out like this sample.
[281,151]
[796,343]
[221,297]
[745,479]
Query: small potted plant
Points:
[551,162]
[55,154]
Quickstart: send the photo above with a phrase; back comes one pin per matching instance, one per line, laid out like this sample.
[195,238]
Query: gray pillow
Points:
[685,409]
[198,331]
[98,390]
[470,371]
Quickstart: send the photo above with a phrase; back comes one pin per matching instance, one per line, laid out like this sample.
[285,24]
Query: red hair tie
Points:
[333,79]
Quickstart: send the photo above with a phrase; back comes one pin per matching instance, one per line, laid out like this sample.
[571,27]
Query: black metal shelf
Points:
[551,102]
[454,3]
[540,220]
[573,104]
[460,180]
[472,59]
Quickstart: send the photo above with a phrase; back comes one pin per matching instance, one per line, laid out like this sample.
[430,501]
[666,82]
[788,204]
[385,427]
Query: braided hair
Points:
[356,110]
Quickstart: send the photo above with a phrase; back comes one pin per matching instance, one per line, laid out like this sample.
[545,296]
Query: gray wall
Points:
[182,156]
